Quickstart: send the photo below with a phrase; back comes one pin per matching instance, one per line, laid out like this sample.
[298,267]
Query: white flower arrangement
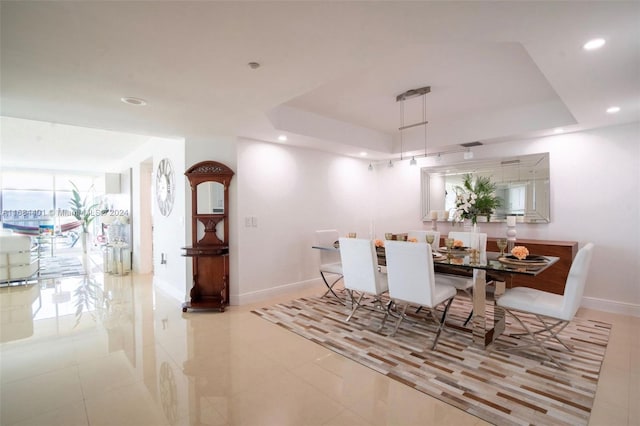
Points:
[475,199]
[465,202]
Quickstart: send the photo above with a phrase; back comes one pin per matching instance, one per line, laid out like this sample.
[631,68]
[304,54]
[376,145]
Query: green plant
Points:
[79,208]
[476,198]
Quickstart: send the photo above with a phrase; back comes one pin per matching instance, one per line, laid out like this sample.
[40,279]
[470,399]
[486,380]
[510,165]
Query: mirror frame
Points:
[538,210]
[209,171]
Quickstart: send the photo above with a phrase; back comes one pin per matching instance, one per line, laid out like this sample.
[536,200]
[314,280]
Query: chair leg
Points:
[351,298]
[419,309]
[470,294]
[549,329]
[554,334]
[468,318]
[400,318]
[538,343]
[441,326]
[387,313]
[356,305]
[330,286]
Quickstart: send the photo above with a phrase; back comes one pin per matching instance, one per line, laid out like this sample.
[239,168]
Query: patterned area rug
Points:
[56,267]
[503,388]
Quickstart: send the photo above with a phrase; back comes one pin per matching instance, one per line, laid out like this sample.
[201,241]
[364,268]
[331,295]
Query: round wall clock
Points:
[165,186]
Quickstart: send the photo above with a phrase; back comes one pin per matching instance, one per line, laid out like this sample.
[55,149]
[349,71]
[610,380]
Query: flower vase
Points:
[467,226]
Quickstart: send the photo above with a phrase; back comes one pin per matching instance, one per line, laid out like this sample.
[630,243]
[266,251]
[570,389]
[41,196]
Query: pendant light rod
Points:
[424,117]
[402,97]
[401,126]
[408,126]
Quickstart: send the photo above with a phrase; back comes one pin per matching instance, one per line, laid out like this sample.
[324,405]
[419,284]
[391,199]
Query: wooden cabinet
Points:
[210,278]
[554,278]
[209,181]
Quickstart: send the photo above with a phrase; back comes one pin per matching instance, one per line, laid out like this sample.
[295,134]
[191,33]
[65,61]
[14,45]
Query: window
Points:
[30,199]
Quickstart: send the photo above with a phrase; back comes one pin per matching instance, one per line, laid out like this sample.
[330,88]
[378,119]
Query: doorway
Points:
[145,261]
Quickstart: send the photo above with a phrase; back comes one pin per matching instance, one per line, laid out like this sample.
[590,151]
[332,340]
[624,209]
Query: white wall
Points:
[292,192]
[397,202]
[595,188]
[168,231]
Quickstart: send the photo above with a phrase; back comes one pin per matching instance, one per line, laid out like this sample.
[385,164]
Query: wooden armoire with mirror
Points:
[209,250]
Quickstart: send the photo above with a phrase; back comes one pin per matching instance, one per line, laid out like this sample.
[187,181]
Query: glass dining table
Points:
[487,324]
[486,328]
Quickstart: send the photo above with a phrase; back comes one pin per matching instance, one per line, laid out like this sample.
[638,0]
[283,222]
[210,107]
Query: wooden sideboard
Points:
[551,280]
[554,278]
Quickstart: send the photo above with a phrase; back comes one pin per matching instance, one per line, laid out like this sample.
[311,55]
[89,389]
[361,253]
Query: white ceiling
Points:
[330,71]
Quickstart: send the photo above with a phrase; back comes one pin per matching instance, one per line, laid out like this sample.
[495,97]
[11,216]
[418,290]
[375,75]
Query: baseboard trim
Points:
[268,293]
[243,299]
[604,305]
[612,306]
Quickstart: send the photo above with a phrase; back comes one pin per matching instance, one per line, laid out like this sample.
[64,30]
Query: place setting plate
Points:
[438,256]
[531,260]
[455,250]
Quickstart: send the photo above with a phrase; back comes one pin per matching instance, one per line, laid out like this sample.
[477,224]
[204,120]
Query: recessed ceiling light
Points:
[363,154]
[134,101]
[613,109]
[282,138]
[594,44]
[558,130]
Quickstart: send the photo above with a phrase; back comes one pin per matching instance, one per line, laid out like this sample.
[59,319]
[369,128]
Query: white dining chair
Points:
[478,241]
[361,274]
[330,265]
[411,279]
[553,311]
[421,236]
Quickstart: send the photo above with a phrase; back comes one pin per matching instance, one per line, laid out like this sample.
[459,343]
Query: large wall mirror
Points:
[522,183]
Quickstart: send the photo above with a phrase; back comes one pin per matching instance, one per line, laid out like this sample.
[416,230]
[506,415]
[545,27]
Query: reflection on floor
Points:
[114,350]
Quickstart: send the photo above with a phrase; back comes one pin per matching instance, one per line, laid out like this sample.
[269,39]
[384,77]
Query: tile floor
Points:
[117,351]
